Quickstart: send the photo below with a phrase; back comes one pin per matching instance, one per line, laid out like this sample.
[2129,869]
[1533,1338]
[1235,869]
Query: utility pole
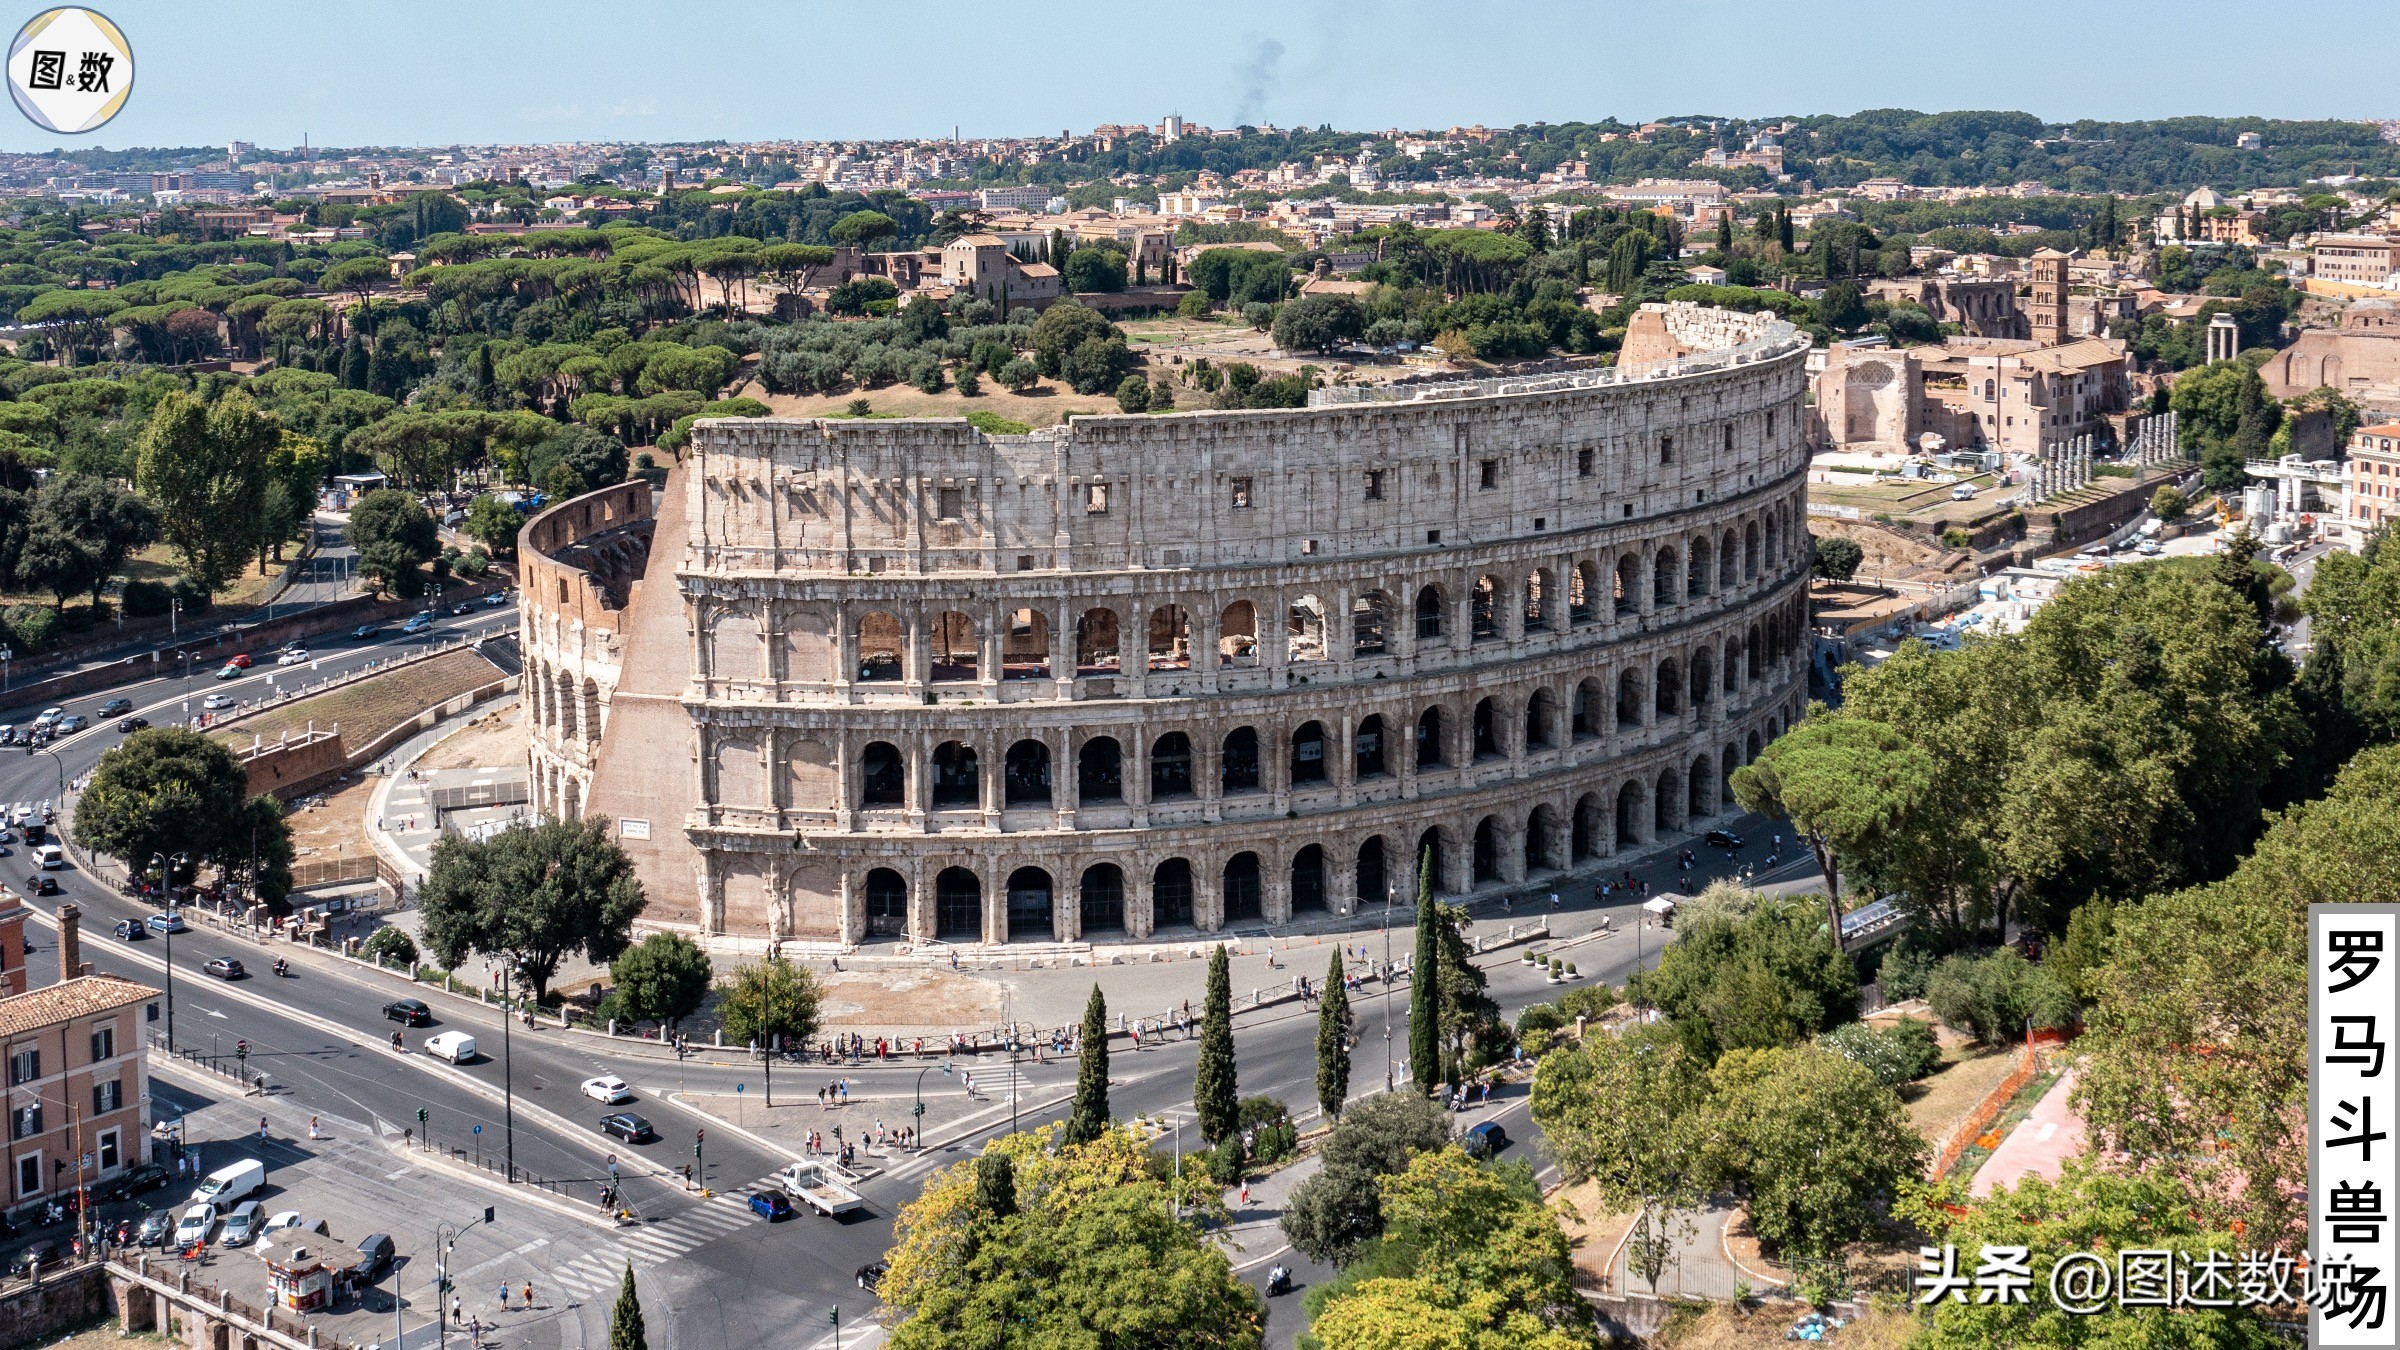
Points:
[1388,887]
[508,1096]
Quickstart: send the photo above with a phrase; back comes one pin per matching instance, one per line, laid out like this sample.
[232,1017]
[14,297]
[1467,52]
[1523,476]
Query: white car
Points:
[49,715]
[197,1223]
[282,1219]
[297,656]
[216,701]
[607,1089]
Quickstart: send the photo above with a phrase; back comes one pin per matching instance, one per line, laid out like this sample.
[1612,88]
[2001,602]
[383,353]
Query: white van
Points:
[53,857]
[232,1182]
[456,1046]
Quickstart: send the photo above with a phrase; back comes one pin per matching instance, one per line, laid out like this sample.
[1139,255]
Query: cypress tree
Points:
[995,1185]
[1214,1094]
[625,1331]
[1333,1042]
[1783,227]
[1425,987]
[1725,233]
[354,364]
[1090,1117]
[485,384]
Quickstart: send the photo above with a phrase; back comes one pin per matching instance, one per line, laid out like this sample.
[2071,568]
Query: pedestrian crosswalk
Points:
[601,1266]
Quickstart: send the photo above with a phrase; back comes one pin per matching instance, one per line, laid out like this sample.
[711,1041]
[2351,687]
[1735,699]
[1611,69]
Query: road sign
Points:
[479,1129]
[740,1088]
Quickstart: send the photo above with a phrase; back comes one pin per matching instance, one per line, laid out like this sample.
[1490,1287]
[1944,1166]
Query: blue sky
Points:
[361,72]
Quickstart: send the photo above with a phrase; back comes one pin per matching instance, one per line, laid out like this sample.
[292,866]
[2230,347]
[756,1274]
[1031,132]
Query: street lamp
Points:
[508,1096]
[159,861]
[918,1115]
[442,1247]
[1388,888]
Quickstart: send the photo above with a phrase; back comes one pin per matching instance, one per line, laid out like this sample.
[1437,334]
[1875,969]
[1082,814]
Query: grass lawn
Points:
[368,708]
[1944,1097]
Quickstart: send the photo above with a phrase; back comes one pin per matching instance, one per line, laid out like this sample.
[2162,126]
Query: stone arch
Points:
[1170,638]
[1541,838]
[1584,844]
[1245,892]
[587,713]
[1025,774]
[1486,851]
[1372,877]
[1484,612]
[957,780]
[1171,894]
[1171,766]
[1430,749]
[1750,749]
[1032,911]
[1591,708]
[953,644]
[734,649]
[1096,651]
[1488,744]
[958,905]
[1732,678]
[1729,558]
[1367,749]
[1629,584]
[1025,646]
[1101,900]
[1100,770]
[1664,802]
[1704,670]
[1700,788]
[1669,683]
[1699,575]
[882,776]
[1429,862]
[1429,614]
[1541,599]
[880,651]
[1237,636]
[1583,593]
[1750,551]
[1305,635]
[1238,769]
[1633,800]
[1369,615]
[1309,753]
[1309,878]
[1751,650]
[1629,697]
[1541,720]
[1726,764]
[1664,589]
[1774,554]
[887,903]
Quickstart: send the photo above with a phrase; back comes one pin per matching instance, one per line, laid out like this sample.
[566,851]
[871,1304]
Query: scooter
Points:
[282,967]
[1279,1282]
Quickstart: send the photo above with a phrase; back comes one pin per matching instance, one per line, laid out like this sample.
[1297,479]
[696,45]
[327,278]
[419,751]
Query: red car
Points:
[239,661]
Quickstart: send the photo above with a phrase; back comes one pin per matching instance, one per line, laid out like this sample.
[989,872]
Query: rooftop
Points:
[67,1000]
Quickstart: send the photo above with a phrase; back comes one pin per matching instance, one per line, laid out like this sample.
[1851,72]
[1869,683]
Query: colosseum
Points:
[846,682]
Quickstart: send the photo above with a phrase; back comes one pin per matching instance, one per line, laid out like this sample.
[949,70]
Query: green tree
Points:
[2077,958]
[1425,986]
[494,524]
[864,229]
[1842,308]
[1848,786]
[1215,1096]
[625,1331]
[663,978]
[1756,982]
[533,895]
[1317,322]
[394,537]
[995,1186]
[1835,557]
[1096,269]
[163,791]
[100,522]
[1814,1145]
[1620,1111]
[1997,995]
[361,277]
[1133,394]
[1089,1116]
[1333,1041]
[1061,329]
[204,467]
[1333,1215]
[2169,503]
[770,1002]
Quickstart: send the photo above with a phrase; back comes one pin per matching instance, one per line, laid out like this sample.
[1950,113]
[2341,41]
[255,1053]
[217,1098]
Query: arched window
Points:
[1753,655]
[1541,837]
[1539,600]
[1103,899]
[954,651]
[882,778]
[1308,753]
[1170,638]
[1541,712]
[1487,851]
[1429,614]
[1304,630]
[1774,537]
[1583,593]
[1486,624]
[1427,865]
[1663,580]
[1026,779]
[1664,802]
[1733,666]
[1096,642]
[1366,624]
[1630,801]
[1025,647]
[1697,578]
[1591,705]
[1171,894]
[1629,584]
[1030,916]
[1243,893]
[1308,879]
[955,781]
[1429,738]
[1729,560]
[1629,698]
[1237,635]
[1704,666]
[1100,771]
[1670,688]
[1750,551]
[879,655]
[1371,879]
[1171,766]
[1367,747]
[1487,729]
[1239,772]
[887,903]
[958,905]
[1700,789]
[1585,844]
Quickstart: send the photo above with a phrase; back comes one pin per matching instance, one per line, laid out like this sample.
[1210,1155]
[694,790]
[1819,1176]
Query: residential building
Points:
[1030,198]
[2370,258]
[77,1106]
[980,264]
[2372,497]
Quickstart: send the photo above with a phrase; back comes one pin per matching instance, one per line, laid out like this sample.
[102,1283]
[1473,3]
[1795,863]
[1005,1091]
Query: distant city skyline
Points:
[445,72]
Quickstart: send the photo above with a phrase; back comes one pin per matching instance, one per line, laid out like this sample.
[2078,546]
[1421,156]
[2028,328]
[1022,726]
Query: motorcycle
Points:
[1279,1282]
[282,967]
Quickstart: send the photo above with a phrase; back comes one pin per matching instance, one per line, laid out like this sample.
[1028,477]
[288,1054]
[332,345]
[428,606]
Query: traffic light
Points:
[241,1050]
[420,1115]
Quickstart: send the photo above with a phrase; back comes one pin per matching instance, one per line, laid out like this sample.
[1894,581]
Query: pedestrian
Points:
[504,1296]
[529,1293]
[313,1131]
[845,1092]
[262,1129]
[457,1304]
[1245,1194]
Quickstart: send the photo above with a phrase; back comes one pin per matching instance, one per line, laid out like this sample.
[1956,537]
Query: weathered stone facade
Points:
[1148,674]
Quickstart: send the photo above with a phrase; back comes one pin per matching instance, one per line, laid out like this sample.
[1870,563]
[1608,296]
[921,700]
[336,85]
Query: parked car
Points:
[132,930]
[215,702]
[132,1182]
[234,1181]
[1723,839]
[408,1012]
[169,922]
[242,1224]
[155,1227]
[607,1089]
[196,1224]
[46,1255]
[770,1205]
[132,724]
[456,1046]
[1484,1140]
[116,707]
[224,967]
[374,1258]
[43,719]
[627,1126]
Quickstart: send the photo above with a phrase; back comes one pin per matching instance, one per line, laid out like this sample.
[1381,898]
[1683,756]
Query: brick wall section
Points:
[31,1314]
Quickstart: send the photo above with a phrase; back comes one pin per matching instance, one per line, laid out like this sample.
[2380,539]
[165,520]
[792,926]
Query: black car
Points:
[627,1126]
[870,1275]
[224,967]
[116,707]
[1483,1141]
[408,1012]
[367,630]
[132,930]
[374,1258]
[132,724]
[42,885]
[1723,839]
[155,1228]
[47,1255]
[148,1176]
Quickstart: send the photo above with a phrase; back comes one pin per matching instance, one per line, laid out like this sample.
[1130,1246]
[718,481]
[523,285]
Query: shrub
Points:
[391,945]
[1226,1162]
[1901,1053]
[34,629]
[1996,995]
[969,383]
[1193,305]
[1019,374]
[1905,969]
[1133,395]
[1957,538]
[146,599]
